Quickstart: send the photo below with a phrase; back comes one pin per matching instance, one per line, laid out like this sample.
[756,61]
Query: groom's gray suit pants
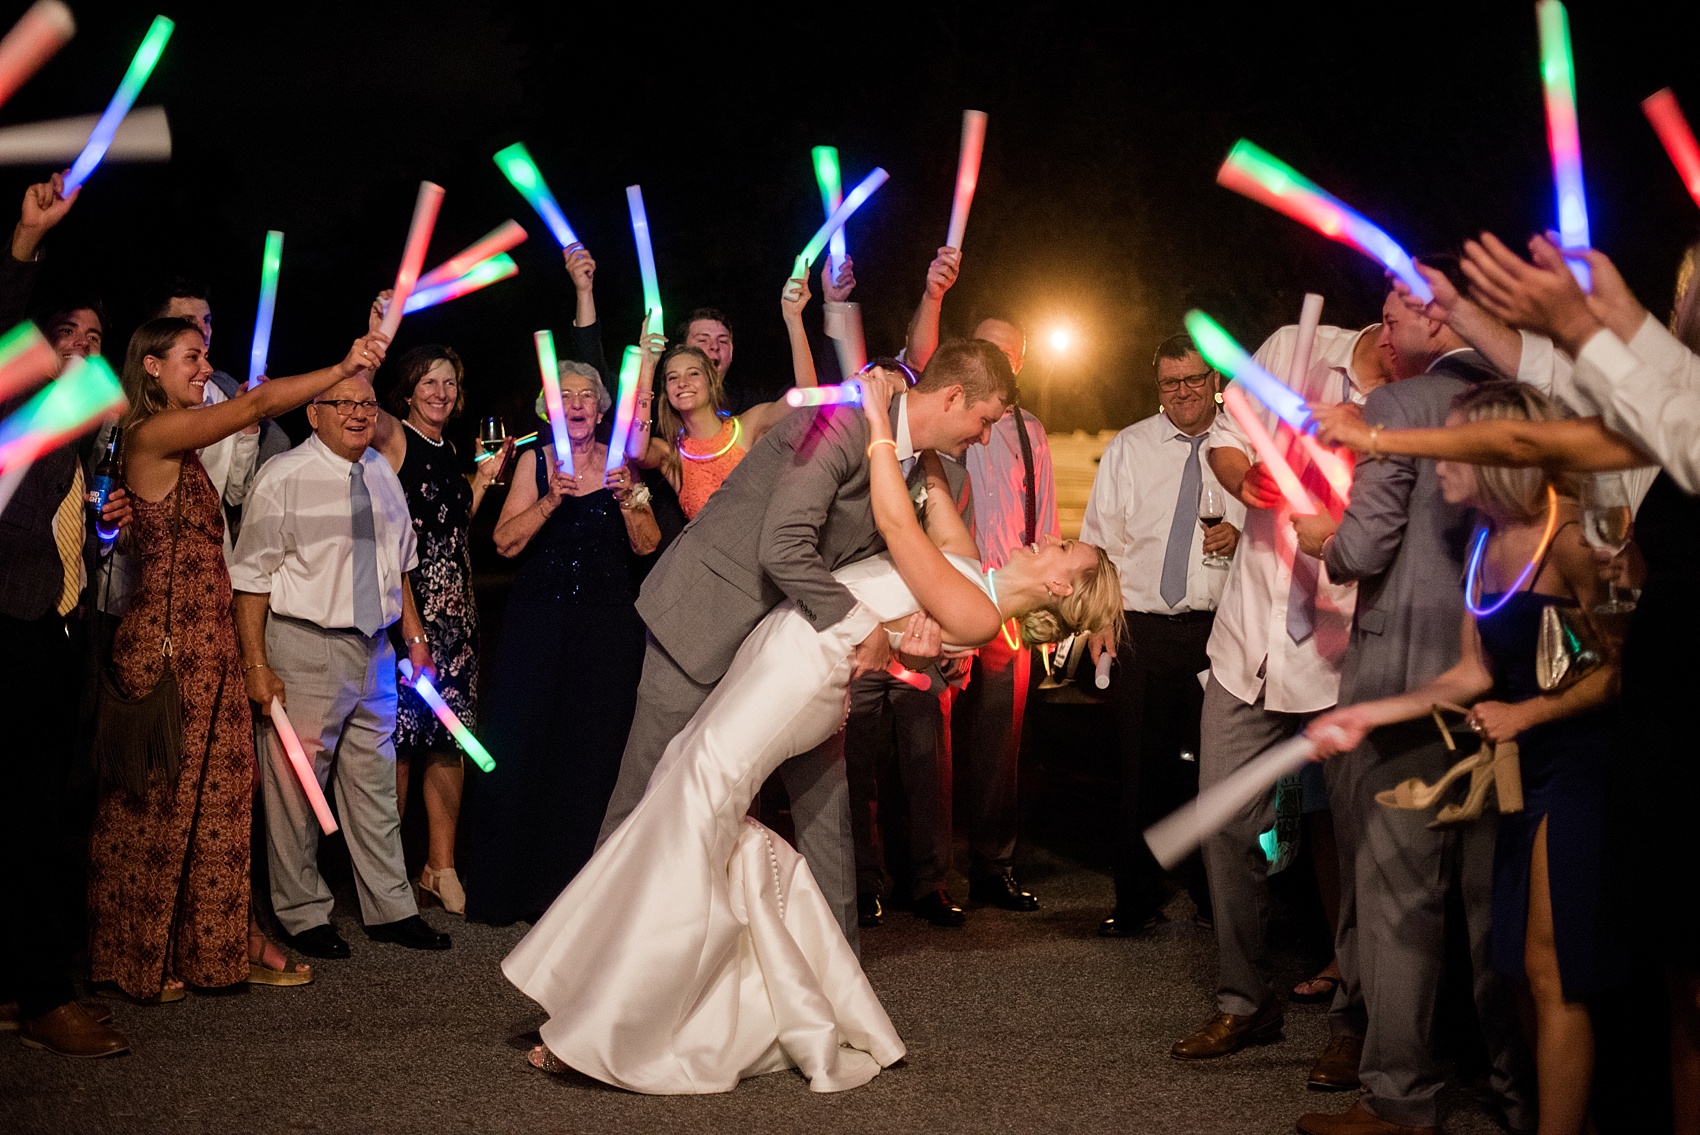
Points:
[820,795]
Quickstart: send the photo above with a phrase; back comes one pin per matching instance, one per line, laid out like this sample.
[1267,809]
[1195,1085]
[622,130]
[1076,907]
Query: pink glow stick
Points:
[303,767]
[1234,400]
[908,677]
[1335,470]
[26,360]
[33,40]
[1669,123]
[503,238]
[967,173]
[549,366]
[425,208]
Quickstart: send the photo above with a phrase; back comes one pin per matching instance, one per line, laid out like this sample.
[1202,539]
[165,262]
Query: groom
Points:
[794,510]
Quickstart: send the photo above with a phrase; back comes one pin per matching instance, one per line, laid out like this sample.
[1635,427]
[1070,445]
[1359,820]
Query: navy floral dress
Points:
[440,500]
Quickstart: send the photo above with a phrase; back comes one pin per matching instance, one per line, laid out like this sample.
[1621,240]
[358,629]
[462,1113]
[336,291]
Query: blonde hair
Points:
[1685,310]
[1516,493]
[1095,603]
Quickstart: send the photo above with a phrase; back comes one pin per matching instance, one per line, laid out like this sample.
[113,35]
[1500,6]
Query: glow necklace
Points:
[1014,640]
[1480,545]
[737,428]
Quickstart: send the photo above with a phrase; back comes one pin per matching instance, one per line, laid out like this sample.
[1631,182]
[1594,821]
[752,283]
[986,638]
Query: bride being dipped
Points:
[695,949]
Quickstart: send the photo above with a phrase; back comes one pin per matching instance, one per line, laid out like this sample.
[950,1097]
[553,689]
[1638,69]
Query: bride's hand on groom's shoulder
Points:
[879,387]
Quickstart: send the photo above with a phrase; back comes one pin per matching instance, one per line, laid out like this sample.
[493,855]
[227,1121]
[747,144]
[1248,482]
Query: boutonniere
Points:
[918,493]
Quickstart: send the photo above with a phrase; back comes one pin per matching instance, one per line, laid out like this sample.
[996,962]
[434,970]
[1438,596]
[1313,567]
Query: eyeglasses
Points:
[1193,382]
[345,407]
[574,397]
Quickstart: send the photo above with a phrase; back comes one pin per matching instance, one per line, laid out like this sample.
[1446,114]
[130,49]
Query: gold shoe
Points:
[259,973]
[444,886]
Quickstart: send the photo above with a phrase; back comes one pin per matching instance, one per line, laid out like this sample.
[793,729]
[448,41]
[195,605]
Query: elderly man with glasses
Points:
[320,574]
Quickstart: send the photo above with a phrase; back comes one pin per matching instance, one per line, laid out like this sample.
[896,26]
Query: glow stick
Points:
[1558,85]
[26,358]
[1334,469]
[551,368]
[87,391]
[1101,679]
[646,257]
[303,768]
[1178,834]
[624,406]
[908,677]
[518,441]
[33,40]
[271,263]
[145,136]
[503,238]
[522,173]
[498,267]
[861,193]
[451,720]
[1669,123]
[1227,356]
[844,394]
[831,185]
[1259,175]
[141,66]
[1234,401]
[967,173]
[425,208]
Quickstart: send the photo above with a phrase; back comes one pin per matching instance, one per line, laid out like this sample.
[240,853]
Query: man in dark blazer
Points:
[1404,545]
[794,510]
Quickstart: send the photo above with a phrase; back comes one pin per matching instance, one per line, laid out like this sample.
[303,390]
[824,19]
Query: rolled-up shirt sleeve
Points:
[1655,406]
[260,548]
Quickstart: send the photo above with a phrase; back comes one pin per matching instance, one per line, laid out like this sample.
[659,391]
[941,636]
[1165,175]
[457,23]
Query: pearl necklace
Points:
[438,442]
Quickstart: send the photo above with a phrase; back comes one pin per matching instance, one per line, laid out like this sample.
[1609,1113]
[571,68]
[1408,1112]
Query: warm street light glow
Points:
[1061,339]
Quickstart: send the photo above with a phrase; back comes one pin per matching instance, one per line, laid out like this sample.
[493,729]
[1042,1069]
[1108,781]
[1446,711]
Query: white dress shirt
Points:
[231,463]
[1648,390]
[999,480]
[1132,507]
[1543,366]
[297,541]
[1250,650]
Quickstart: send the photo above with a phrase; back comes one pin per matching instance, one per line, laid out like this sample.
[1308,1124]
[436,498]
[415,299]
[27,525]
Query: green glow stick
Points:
[141,66]
[87,390]
[831,184]
[271,263]
[522,173]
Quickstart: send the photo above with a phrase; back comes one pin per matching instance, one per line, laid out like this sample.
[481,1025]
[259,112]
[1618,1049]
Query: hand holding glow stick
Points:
[967,174]
[1558,86]
[450,719]
[630,364]
[1178,834]
[37,36]
[503,238]
[271,263]
[483,274]
[303,767]
[1234,401]
[831,197]
[135,77]
[1227,356]
[550,366]
[646,257]
[1101,677]
[1671,125]
[425,208]
[522,173]
[143,136]
[852,202]
[1259,175]
[26,359]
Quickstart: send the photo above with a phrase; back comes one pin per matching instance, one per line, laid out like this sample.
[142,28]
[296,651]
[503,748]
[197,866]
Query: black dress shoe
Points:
[868,909]
[321,942]
[1001,891]
[937,908]
[413,932]
[1116,926]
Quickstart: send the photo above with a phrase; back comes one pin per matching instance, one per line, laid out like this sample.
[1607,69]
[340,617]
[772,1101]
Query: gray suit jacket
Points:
[1404,545]
[794,510]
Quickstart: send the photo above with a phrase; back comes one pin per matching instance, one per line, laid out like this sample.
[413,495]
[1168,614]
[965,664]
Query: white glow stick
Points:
[967,173]
[143,136]
[1234,401]
[33,40]
[1102,678]
[425,208]
[1178,834]
[303,767]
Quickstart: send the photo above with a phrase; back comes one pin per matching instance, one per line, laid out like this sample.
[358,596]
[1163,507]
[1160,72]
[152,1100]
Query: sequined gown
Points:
[168,873]
[562,692]
[440,501]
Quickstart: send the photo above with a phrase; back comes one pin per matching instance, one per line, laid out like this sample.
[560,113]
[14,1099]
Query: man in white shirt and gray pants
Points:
[325,547]
[1145,512]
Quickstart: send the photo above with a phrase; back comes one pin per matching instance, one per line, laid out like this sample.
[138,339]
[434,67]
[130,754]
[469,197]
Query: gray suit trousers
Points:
[341,695]
[820,798]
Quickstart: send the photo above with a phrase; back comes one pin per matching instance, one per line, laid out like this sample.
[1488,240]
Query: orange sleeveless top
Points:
[706,464]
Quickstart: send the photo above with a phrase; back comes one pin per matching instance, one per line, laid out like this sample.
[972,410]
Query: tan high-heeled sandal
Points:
[1417,795]
[1491,766]
[444,886]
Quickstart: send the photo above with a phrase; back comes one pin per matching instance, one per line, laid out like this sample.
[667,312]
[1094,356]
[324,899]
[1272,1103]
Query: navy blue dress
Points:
[1564,767]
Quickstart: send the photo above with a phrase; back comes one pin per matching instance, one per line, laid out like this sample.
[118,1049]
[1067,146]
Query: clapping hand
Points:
[1542,296]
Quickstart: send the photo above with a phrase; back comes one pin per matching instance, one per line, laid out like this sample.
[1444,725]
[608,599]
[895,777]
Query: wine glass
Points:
[1606,524]
[1212,507]
[492,436]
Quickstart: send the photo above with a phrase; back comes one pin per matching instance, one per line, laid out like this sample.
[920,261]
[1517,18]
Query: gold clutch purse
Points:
[1568,648]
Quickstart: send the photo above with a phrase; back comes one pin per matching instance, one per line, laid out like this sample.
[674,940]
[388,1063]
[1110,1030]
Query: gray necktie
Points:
[1301,597]
[368,606]
[1179,552]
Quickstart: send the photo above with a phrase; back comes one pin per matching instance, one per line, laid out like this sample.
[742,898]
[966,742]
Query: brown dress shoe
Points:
[1227,1033]
[1359,1121]
[1336,1070]
[10,1022]
[70,1031]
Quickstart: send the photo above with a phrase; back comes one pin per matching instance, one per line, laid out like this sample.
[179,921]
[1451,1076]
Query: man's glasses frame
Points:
[345,407]
[1193,382]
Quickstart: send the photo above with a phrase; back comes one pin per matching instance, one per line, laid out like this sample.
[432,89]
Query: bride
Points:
[695,948]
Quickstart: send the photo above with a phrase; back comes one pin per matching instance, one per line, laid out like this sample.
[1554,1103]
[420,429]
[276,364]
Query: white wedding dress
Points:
[695,948]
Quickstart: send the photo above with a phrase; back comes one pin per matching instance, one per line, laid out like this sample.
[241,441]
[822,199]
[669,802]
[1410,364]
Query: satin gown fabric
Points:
[695,948]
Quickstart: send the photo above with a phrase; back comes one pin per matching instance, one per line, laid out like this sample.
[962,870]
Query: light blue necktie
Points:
[1179,551]
[368,606]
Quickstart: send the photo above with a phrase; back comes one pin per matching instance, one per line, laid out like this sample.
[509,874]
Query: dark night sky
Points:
[1096,202]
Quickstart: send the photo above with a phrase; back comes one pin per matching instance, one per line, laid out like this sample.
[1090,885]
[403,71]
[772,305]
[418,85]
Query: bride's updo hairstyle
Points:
[1095,603]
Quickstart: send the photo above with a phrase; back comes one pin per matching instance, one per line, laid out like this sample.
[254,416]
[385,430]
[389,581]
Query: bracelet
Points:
[637,497]
[883,441]
[1374,446]
[256,666]
[414,641]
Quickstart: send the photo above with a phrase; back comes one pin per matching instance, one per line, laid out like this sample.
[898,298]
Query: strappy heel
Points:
[1492,766]
[444,886]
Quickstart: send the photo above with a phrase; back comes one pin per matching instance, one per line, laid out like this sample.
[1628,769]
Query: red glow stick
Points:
[26,359]
[1669,123]
[908,677]
[303,768]
[967,173]
[1234,401]
[425,208]
[503,238]
[1334,469]
[33,40]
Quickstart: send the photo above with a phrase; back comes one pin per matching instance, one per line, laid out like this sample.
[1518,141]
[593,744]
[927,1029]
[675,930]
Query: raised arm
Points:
[1573,444]
[923,337]
[584,334]
[792,300]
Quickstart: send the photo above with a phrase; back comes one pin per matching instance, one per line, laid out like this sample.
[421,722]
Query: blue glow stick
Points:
[549,366]
[626,405]
[1227,356]
[271,263]
[646,258]
[450,719]
[141,66]
[1564,142]
[852,202]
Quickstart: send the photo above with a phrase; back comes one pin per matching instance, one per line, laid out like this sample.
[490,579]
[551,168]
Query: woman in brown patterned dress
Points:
[168,871]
